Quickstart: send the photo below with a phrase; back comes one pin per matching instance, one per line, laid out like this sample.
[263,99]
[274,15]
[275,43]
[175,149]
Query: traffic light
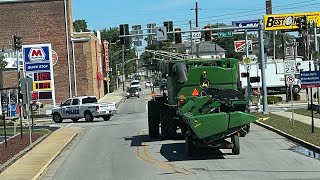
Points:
[207,34]
[17,42]
[302,23]
[169,26]
[124,30]
[177,36]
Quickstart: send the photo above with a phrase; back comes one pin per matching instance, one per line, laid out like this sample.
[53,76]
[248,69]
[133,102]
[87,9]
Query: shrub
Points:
[274,99]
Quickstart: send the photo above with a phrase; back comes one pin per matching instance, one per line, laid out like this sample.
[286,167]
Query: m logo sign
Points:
[37,54]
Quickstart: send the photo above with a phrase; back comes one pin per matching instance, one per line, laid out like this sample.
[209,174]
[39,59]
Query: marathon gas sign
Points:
[275,22]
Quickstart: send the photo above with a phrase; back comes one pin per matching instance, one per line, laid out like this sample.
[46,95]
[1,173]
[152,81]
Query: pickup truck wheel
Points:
[57,118]
[236,145]
[75,120]
[106,118]
[88,116]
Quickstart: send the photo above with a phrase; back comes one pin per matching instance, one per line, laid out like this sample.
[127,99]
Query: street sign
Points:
[240,46]
[310,79]
[196,35]
[290,79]
[225,34]
[162,33]
[196,41]
[289,67]
[247,23]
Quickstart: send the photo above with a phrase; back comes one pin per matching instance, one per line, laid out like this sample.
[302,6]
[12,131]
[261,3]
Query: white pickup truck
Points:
[86,107]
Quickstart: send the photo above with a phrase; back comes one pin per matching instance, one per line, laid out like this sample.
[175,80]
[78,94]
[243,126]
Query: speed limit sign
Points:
[289,67]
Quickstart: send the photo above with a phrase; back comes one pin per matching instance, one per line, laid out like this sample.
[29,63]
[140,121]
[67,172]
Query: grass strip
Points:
[24,130]
[305,112]
[299,130]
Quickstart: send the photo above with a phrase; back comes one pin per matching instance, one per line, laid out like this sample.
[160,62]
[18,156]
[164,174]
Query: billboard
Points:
[246,23]
[274,22]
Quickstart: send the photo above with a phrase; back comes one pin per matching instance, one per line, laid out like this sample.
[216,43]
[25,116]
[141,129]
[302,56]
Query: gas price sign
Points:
[42,76]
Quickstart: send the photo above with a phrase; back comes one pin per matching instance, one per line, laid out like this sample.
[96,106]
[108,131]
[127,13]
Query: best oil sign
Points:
[274,22]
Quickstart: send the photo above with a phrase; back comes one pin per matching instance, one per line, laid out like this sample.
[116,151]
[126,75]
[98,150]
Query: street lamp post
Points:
[123,73]
[73,40]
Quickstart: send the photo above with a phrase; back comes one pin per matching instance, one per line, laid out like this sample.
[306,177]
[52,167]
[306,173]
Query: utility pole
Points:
[197,26]
[123,74]
[191,43]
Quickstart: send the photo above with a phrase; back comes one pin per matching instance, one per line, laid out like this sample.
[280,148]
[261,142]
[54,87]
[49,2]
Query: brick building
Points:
[43,21]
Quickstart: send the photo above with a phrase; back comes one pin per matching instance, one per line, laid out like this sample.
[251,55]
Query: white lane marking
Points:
[69,125]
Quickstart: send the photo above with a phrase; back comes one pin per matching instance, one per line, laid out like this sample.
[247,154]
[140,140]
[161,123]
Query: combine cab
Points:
[204,102]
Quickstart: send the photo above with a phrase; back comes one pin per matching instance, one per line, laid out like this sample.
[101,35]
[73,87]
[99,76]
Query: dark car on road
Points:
[133,92]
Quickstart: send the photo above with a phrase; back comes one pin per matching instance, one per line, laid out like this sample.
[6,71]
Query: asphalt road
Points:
[120,149]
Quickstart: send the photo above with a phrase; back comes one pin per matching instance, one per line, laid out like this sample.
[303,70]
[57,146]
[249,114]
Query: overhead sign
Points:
[290,79]
[162,33]
[240,46]
[38,65]
[246,23]
[225,34]
[196,35]
[106,54]
[274,22]
[310,79]
[289,67]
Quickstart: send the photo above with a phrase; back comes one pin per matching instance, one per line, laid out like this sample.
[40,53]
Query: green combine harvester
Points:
[204,102]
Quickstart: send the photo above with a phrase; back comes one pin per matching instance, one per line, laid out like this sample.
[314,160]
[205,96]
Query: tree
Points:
[80,26]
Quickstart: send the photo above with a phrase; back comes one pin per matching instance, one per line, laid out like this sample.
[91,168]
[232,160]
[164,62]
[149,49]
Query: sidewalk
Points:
[115,96]
[298,117]
[32,164]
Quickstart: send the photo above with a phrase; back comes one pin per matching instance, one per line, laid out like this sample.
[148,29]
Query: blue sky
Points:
[101,14]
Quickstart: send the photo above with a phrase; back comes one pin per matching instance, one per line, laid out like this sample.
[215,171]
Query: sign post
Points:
[290,80]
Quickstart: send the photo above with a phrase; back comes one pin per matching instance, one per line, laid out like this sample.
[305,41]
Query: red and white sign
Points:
[240,46]
[290,79]
[106,54]
[55,57]
[37,54]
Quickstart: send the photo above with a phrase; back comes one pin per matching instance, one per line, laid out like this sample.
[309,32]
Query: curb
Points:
[22,153]
[39,173]
[303,143]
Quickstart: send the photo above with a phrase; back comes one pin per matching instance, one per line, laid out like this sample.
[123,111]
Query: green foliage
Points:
[80,26]
[274,99]
[3,63]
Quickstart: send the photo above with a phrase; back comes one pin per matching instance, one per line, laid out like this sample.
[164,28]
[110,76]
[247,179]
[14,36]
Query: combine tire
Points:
[168,125]
[236,145]
[153,123]
[189,146]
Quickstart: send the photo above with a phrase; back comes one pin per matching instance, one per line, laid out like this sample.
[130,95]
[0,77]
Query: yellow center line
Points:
[148,158]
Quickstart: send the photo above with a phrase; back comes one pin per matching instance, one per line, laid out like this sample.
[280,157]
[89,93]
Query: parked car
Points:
[148,84]
[133,92]
[83,107]
[136,84]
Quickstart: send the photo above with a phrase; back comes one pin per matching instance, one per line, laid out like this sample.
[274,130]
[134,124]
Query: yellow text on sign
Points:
[274,22]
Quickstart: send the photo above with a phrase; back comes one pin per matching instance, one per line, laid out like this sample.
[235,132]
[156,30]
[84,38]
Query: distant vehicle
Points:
[136,77]
[275,78]
[136,84]
[83,107]
[163,84]
[133,92]
[148,84]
